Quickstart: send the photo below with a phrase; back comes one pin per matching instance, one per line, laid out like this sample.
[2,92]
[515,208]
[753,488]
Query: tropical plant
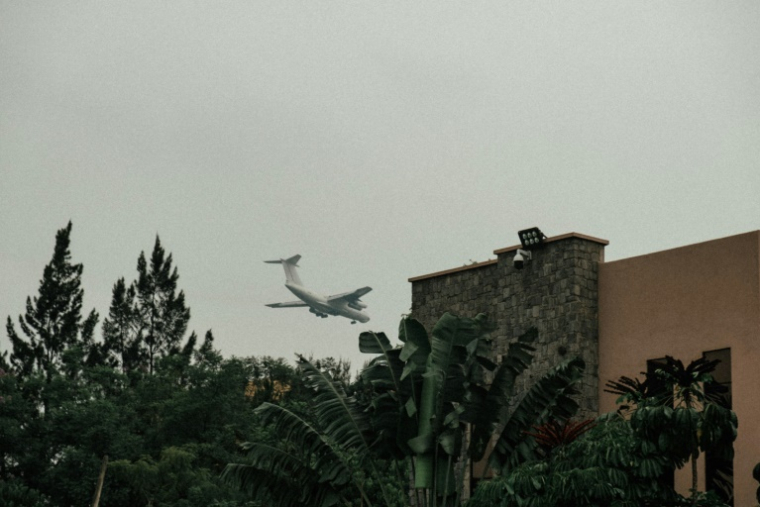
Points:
[557,433]
[680,419]
[410,412]
[664,420]
[609,465]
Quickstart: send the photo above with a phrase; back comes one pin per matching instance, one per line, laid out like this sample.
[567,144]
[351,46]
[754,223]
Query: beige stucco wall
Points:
[683,302]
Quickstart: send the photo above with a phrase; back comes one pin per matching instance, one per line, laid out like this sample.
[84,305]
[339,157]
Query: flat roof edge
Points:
[569,235]
[557,238]
[454,270]
[682,247]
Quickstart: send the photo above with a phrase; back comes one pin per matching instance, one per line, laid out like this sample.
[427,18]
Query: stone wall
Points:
[557,292]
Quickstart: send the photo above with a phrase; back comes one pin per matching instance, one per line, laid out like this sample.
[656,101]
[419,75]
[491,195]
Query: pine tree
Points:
[162,311]
[206,355]
[56,339]
[122,337]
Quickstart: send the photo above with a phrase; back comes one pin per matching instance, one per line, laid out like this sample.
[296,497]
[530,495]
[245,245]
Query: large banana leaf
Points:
[416,346]
[485,411]
[455,342]
[310,444]
[278,478]
[443,387]
[384,371]
[342,420]
[306,471]
[551,396]
[392,423]
[339,416]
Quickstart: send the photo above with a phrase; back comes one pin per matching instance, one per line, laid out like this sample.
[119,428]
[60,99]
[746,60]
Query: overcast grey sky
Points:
[379,140]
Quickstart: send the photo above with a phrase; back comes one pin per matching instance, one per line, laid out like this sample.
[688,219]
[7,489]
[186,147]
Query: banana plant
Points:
[447,391]
[319,463]
[427,406]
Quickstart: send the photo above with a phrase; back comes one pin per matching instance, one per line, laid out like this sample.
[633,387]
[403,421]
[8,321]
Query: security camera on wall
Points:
[520,258]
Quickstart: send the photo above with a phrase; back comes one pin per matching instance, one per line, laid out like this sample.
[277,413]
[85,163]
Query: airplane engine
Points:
[357,305]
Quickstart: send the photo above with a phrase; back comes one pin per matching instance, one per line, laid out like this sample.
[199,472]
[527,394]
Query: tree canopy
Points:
[167,411]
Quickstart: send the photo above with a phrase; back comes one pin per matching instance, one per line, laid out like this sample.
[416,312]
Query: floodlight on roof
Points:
[531,238]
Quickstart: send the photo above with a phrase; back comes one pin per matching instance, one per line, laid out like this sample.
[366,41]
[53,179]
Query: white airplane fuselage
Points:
[347,304]
[320,303]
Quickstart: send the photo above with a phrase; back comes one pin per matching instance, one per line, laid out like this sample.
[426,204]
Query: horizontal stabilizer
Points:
[289,265]
[292,260]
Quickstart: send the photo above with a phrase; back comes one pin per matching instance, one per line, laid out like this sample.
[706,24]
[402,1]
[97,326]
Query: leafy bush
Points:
[608,465]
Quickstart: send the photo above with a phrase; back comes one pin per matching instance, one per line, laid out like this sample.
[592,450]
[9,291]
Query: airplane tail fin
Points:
[289,265]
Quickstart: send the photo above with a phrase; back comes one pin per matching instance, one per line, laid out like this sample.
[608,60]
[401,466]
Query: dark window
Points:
[656,387]
[656,384]
[719,471]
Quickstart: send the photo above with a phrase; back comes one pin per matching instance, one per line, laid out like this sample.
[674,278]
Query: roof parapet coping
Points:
[569,235]
[514,248]
[455,270]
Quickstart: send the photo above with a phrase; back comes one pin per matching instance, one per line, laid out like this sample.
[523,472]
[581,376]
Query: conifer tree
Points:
[162,311]
[122,337]
[54,337]
[206,355]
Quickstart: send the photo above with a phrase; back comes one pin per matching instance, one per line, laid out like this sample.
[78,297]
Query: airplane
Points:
[346,304]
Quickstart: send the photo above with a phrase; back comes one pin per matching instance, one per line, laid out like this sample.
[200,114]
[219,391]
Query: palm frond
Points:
[551,396]
[339,416]
[312,446]
[279,478]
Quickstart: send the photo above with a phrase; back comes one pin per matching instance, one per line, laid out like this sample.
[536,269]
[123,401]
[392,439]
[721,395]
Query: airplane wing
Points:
[350,296]
[289,304]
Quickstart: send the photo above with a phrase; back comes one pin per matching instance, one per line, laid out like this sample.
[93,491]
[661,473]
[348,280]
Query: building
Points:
[622,316]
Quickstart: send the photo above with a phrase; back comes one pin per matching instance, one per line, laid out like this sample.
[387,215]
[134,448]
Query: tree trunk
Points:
[101,478]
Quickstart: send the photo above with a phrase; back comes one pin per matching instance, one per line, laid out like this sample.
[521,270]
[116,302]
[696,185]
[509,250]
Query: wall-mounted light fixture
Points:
[532,238]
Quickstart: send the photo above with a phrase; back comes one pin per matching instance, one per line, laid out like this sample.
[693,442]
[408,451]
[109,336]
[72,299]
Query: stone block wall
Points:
[556,291]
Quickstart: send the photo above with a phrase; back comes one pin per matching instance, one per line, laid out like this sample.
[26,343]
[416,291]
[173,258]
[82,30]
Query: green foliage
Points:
[163,315]
[605,466]
[66,401]
[409,411]
[201,421]
[54,336]
[549,398]
[555,434]
[15,494]
[318,464]
[173,479]
[622,461]
[122,337]
[680,420]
